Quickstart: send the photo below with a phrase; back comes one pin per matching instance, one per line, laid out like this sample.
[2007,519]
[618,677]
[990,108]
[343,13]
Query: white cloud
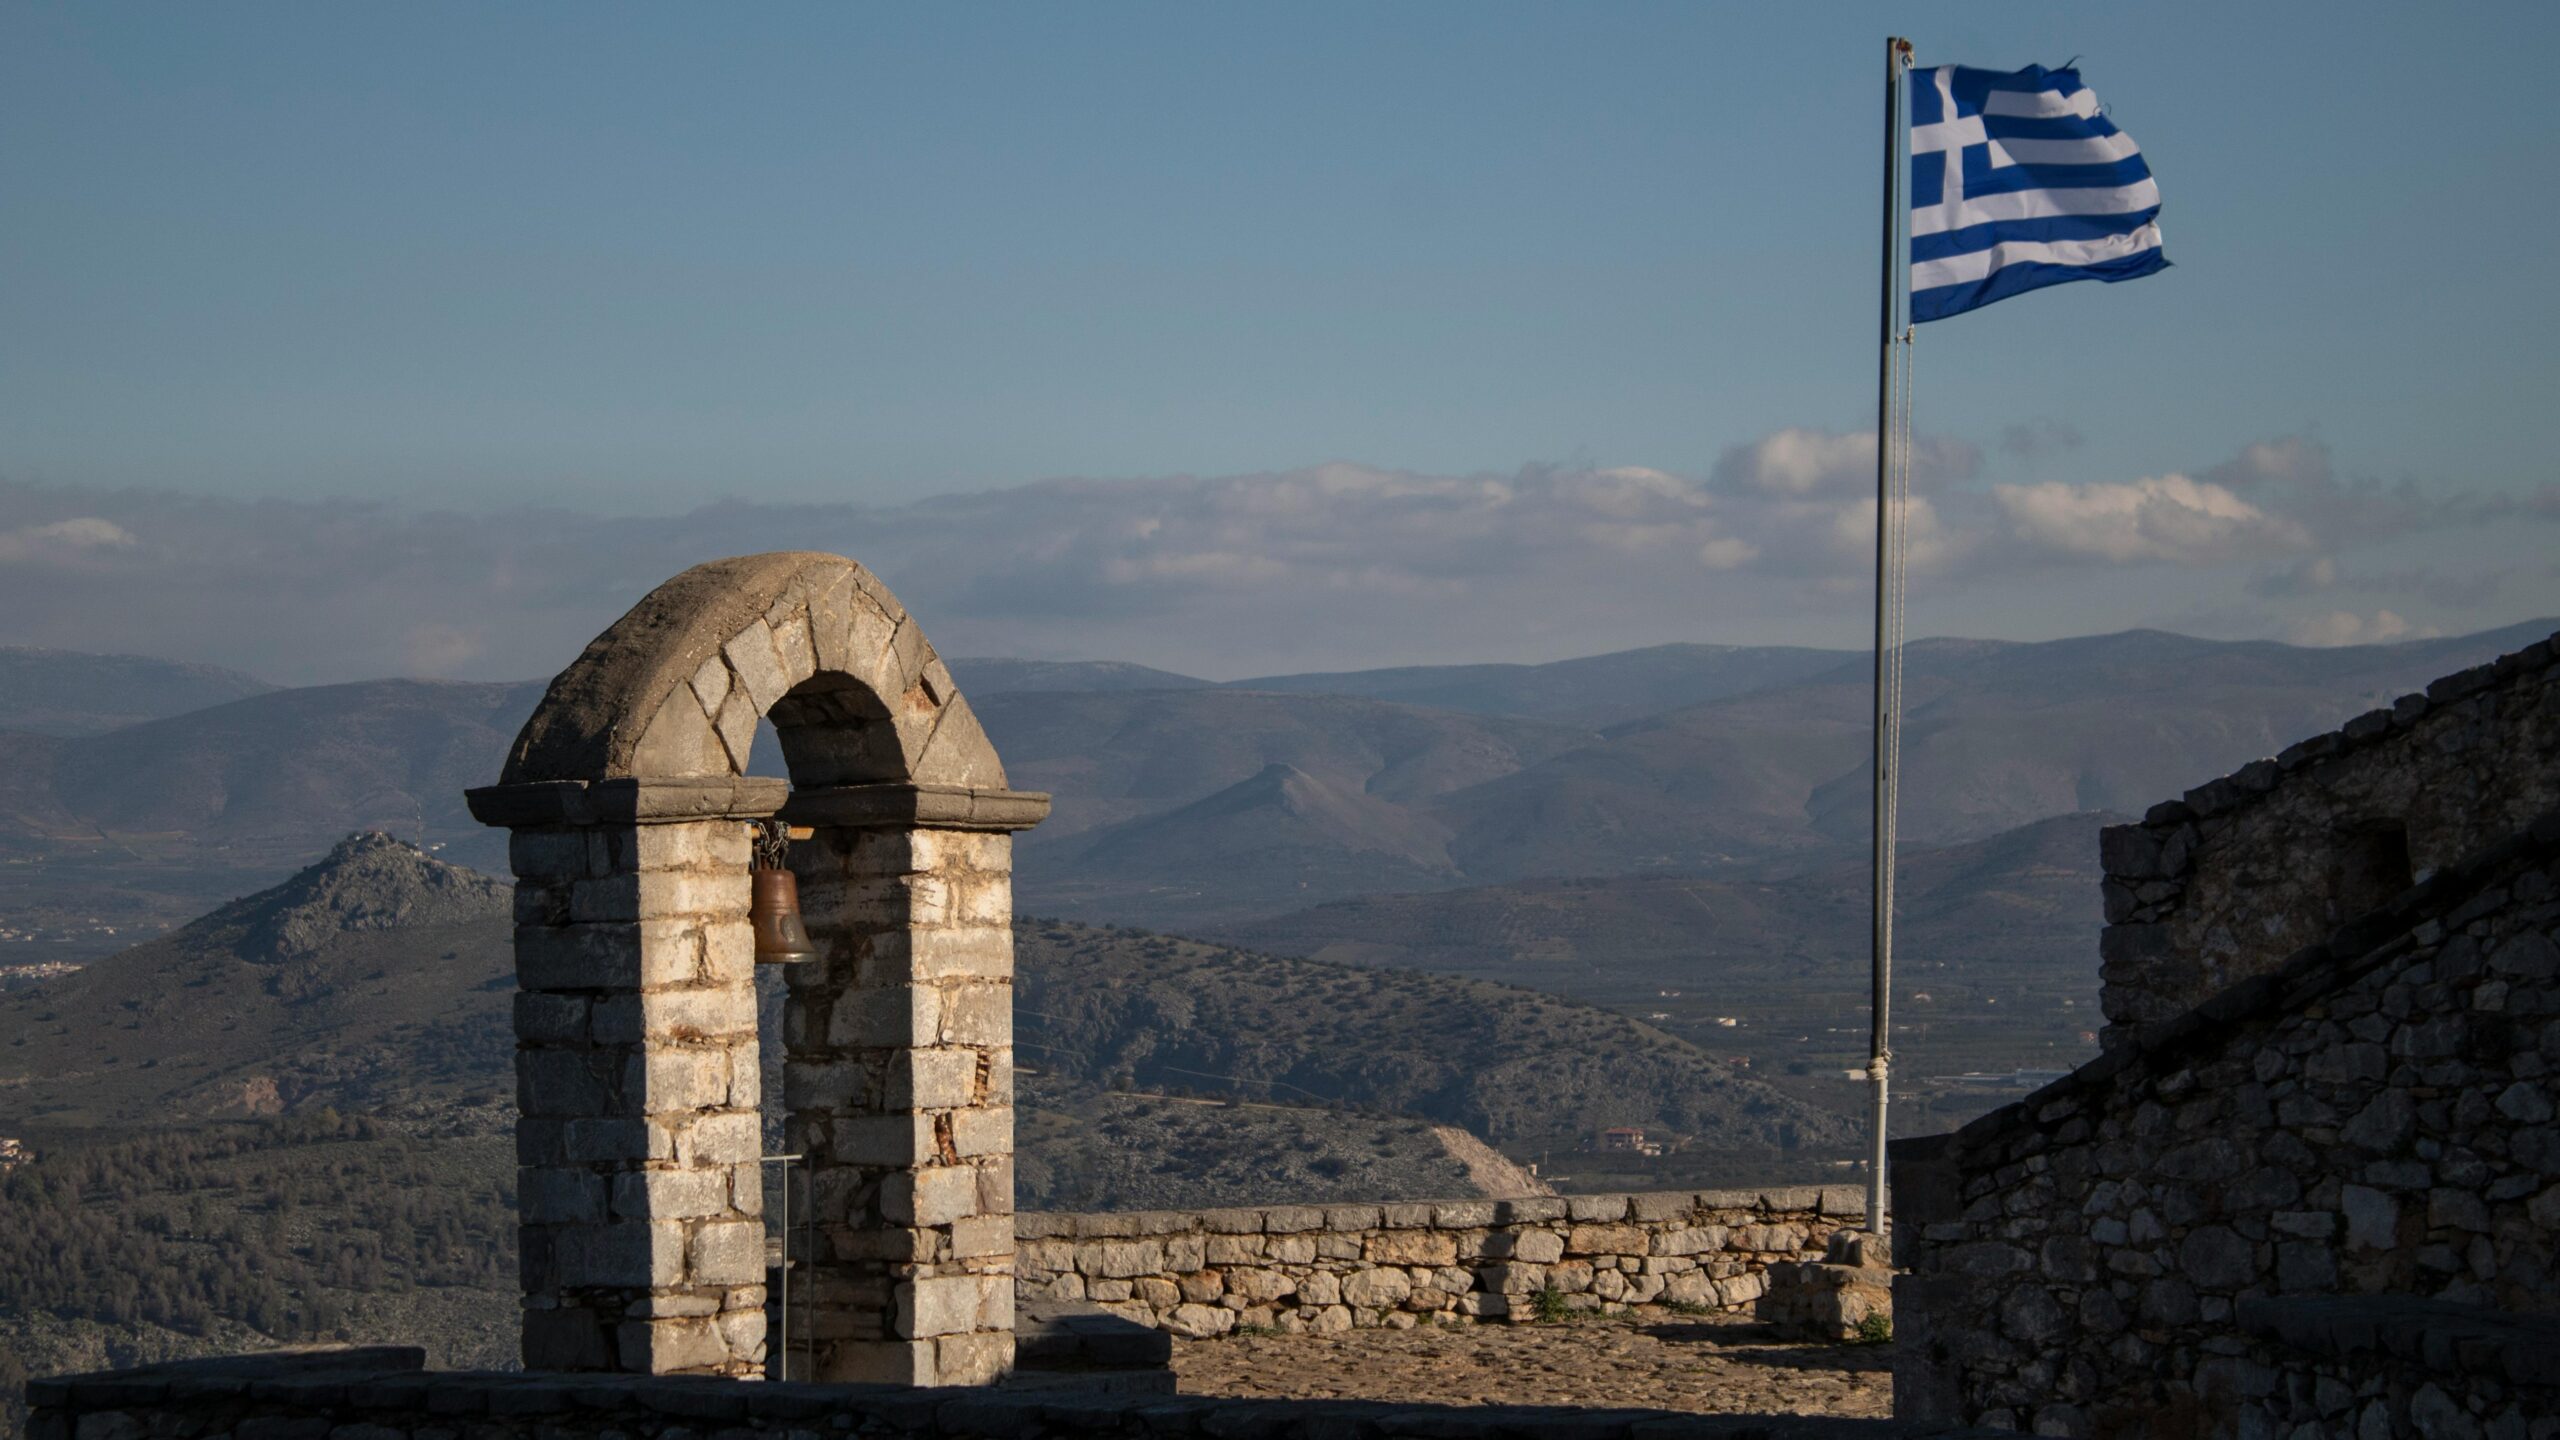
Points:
[2344,627]
[62,539]
[1801,462]
[2167,517]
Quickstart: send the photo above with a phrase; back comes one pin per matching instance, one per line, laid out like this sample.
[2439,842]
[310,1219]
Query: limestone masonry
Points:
[638,1079]
[2243,871]
[1335,1267]
[2325,1200]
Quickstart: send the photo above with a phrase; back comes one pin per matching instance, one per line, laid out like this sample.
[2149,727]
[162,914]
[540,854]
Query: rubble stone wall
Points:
[2372,1118]
[1327,1268]
[2240,873]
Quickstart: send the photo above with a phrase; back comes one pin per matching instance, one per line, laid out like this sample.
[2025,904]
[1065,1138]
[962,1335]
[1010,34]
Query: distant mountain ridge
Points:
[1170,813]
[69,693]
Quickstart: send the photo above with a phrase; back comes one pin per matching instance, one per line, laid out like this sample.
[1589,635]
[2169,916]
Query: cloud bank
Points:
[1330,566]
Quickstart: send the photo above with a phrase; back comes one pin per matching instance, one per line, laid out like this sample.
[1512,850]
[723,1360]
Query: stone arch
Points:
[639,1140]
[674,688]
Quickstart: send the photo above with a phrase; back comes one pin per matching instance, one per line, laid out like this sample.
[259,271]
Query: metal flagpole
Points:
[1897,55]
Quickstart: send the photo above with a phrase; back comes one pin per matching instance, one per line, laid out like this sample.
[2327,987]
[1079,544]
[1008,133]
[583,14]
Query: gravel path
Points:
[1715,1364]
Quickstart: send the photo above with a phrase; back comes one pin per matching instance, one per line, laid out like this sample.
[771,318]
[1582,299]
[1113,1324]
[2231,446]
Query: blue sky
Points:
[626,261]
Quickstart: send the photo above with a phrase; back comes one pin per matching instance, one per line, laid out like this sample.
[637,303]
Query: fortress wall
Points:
[2226,882]
[2143,1247]
[1328,1268]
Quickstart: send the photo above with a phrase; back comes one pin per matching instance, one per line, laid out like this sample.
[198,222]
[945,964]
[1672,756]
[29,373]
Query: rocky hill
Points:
[379,980]
[1519,1067]
[376,980]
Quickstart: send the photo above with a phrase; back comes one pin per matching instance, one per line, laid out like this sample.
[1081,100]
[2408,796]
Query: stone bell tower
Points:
[638,1142]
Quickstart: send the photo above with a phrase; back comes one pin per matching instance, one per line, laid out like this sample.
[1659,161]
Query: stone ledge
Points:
[938,807]
[2438,1335]
[627,801]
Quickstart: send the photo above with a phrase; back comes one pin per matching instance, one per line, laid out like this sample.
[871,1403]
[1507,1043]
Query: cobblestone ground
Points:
[1719,1364]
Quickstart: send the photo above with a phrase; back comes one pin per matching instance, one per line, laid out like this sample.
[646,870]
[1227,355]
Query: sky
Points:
[339,341]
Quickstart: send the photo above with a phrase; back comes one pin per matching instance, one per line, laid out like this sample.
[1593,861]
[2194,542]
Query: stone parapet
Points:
[2241,872]
[2371,1119]
[1327,1268]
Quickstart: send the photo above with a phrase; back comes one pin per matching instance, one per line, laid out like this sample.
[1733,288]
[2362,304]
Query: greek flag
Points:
[2017,182]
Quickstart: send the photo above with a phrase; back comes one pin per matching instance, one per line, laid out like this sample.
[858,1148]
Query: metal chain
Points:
[772,845]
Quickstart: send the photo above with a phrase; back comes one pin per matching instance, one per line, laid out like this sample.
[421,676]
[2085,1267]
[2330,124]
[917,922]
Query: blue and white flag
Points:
[2017,182]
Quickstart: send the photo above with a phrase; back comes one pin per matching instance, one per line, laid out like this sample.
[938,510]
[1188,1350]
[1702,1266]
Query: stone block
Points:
[716,1012]
[721,1137]
[892,1140]
[727,1252]
[560,1197]
[677,740]
[626,1254]
[1606,1239]
[672,1080]
[934,1079]
[670,1194]
[976,1236]
[578,957]
[567,1338]
[1538,1247]
[983,952]
[659,895]
[934,1195]
[549,855]
[977,1014]
[878,1362]
[995,1186]
[1121,1259]
[758,666]
[902,1015]
[672,1347]
[837,1087]
[1593,1208]
[614,1139]
[569,1083]
[543,1018]
[982,1131]
[944,1305]
[720,845]
[982,1358]
[1696,1240]
[1411,1247]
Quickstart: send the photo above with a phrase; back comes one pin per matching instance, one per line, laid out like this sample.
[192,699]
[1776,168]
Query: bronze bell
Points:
[775,915]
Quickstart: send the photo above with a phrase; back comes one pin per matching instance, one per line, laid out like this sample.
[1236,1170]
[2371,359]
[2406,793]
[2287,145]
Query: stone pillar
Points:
[899,1082]
[639,1183]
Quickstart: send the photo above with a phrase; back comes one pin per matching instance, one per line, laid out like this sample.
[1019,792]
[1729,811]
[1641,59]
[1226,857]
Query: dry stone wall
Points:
[2374,1118]
[1327,1268]
[2229,880]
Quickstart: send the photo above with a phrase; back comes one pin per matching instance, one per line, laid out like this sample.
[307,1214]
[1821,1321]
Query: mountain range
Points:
[1189,805]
